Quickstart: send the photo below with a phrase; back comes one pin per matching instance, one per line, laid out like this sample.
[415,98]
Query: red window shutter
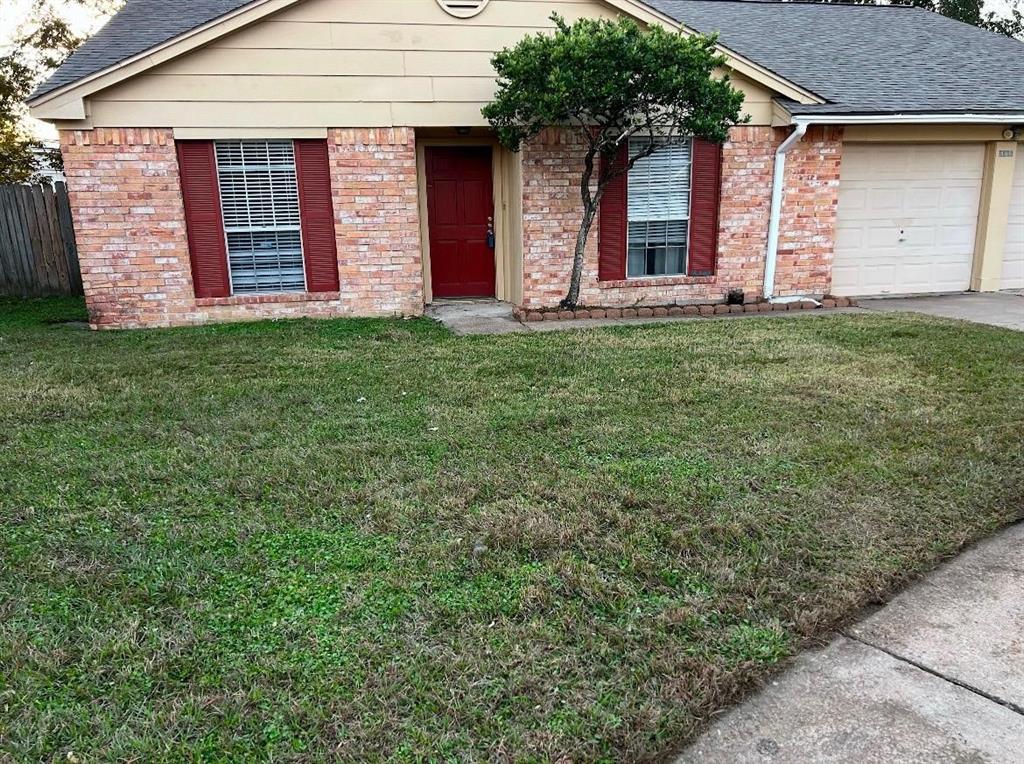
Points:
[611,237]
[207,249]
[705,192]
[316,207]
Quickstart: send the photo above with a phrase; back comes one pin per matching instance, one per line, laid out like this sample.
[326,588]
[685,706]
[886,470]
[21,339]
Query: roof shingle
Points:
[860,58]
[139,26]
[868,58]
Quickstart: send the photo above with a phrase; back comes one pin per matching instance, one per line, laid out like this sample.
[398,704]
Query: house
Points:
[267,158]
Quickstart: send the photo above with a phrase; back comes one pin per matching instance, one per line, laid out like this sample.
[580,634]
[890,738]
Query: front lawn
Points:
[374,540]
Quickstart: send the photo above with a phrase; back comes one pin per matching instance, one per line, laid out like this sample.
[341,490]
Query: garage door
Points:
[1013,255]
[907,218]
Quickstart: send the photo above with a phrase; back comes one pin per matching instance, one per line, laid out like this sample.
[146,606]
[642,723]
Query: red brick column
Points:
[748,160]
[130,226]
[552,210]
[808,224]
[377,221]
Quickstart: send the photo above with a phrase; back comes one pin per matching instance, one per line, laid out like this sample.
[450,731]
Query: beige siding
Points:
[331,62]
[921,133]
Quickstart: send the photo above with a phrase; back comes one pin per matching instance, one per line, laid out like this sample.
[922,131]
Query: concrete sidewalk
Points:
[936,675]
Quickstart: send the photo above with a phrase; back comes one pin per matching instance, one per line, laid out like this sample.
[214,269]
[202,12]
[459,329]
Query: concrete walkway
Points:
[475,316]
[1004,309]
[937,675]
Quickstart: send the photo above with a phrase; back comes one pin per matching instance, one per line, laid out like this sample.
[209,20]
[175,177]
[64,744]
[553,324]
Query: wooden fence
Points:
[38,256]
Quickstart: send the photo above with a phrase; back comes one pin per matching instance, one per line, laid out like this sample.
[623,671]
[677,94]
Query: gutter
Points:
[909,119]
[802,122]
[778,186]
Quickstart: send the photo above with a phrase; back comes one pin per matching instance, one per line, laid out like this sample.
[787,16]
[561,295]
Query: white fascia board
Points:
[907,119]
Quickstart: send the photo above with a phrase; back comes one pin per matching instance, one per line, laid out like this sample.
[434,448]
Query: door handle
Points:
[490,233]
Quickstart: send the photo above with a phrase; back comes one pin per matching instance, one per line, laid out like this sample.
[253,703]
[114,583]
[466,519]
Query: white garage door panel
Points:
[907,218]
[1013,254]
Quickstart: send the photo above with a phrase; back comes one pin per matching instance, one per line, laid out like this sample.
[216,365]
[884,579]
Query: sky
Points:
[13,14]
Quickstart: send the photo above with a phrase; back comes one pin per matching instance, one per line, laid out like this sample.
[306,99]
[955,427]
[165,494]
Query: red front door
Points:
[460,216]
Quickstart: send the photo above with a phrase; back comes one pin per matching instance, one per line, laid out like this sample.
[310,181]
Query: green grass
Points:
[373,540]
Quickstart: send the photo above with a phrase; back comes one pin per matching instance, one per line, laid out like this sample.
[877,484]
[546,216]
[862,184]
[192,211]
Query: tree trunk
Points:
[572,298]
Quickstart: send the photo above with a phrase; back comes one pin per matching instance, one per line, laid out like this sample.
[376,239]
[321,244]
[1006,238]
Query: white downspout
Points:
[778,187]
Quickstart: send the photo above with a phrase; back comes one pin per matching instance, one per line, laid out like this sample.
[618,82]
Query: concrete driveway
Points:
[937,675]
[996,308]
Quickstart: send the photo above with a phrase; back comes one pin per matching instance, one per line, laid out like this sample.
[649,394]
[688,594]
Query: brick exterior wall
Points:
[129,219]
[552,164]
[808,223]
[748,160]
[377,219]
[133,248]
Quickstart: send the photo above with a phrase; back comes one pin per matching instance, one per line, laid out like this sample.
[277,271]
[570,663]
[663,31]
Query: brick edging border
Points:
[705,310]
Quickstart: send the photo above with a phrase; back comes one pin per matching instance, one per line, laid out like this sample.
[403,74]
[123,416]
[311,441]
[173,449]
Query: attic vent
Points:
[463,9]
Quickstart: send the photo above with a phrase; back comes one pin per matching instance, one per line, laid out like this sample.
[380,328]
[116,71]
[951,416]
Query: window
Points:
[658,210]
[260,207]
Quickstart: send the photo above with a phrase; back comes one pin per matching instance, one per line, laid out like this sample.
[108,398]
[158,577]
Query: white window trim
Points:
[689,211]
[224,228]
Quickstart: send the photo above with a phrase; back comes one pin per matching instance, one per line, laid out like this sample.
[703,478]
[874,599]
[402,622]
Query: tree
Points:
[610,81]
[968,11]
[1011,24]
[973,12]
[40,46]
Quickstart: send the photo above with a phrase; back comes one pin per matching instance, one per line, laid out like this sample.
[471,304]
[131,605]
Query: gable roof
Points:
[139,26]
[868,59]
[861,59]
[150,28]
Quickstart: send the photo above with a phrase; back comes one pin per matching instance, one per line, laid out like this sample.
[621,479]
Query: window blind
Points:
[659,185]
[260,206]
[658,210]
